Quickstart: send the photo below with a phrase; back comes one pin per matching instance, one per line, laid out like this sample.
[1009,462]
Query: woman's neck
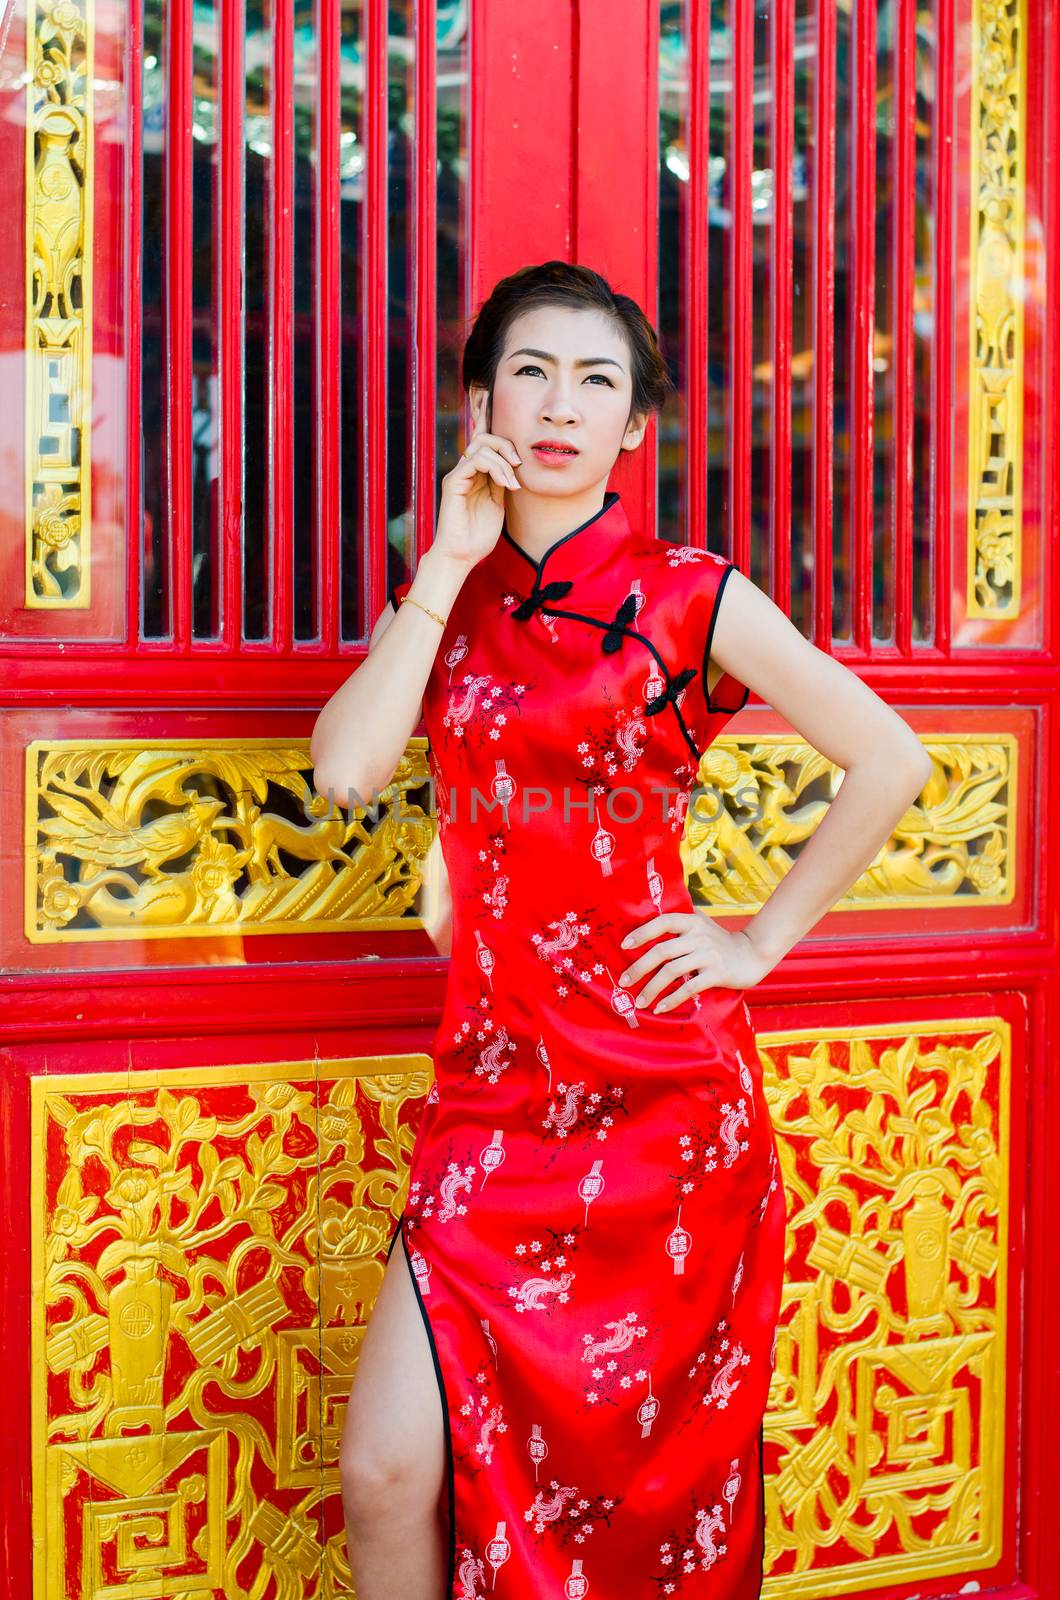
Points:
[535,522]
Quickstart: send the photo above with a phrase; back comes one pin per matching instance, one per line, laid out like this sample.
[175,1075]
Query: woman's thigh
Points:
[393,1434]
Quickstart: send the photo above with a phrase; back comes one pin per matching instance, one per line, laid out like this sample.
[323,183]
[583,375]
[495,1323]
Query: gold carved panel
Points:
[59,206]
[886,1419]
[762,798]
[208,1244]
[129,839]
[996,380]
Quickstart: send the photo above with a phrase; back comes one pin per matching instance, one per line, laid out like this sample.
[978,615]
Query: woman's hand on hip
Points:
[697,954]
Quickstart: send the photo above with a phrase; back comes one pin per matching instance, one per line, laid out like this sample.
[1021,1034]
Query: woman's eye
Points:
[531,367]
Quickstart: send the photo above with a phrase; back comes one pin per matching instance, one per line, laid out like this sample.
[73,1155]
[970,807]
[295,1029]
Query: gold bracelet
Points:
[428,610]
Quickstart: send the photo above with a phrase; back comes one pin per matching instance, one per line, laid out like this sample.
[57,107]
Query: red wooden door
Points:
[244,244]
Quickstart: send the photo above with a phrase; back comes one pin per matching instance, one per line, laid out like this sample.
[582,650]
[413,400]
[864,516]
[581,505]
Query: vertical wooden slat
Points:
[904,213]
[374,303]
[783,112]
[614,150]
[742,163]
[327,201]
[281,326]
[425,279]
[230,90]
[134,518]
[697,268]
[942,512]
[824,319]
[862,375]
[178,314]
[523,68]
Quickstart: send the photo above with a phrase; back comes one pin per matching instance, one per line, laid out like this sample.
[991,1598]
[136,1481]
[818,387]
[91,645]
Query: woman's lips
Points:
[553,457]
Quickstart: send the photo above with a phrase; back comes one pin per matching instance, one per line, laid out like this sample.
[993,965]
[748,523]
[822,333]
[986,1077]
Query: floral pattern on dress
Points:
[483,1044]
[683,555]
[471,1581]
[577,1115]
[567,947]
[479,707]
[612,750]
[696,1546]
[614,1358]
[715,1375]
[540,1270]
[484,1421]
[567,1515]
[490,879]
[440,1192]
[711,1141]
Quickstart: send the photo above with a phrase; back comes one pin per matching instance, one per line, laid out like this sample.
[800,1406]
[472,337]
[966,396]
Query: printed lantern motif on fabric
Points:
[595,1218]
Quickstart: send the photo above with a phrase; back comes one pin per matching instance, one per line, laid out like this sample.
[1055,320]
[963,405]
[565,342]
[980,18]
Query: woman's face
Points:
[564,375]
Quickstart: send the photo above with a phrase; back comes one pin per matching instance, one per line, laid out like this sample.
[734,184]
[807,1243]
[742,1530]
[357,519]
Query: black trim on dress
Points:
[626,613]
[673,687]
[539,566]
[538,597]
[450,1470]
[712,707]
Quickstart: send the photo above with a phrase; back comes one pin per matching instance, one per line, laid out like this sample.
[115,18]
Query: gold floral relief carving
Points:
[995,424]
[209,1243]
[207,1248]
[885,1431]
[59,202]
[128,839]
[760,800]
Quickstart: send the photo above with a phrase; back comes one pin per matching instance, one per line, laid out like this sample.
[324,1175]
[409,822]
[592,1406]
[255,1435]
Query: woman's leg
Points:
[392,1457]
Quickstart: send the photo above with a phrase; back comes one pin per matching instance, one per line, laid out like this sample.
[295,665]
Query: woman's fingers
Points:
[484,458]
[498,442]
[663,951]
[694,962]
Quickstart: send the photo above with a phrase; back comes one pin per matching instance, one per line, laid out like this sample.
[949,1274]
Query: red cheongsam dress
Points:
[595,1216]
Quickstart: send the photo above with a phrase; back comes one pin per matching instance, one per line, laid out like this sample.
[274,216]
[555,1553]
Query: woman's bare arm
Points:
[885,766]
[363,730]
[437,899]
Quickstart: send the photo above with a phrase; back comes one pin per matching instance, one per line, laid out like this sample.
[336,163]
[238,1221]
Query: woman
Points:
[591,1255]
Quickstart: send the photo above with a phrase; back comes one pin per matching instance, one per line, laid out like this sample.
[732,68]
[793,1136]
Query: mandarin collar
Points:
[591,543]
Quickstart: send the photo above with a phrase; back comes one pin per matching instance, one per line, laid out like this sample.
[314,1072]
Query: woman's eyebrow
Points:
[584,361]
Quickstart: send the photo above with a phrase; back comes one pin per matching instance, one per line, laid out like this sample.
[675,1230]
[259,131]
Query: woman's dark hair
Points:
[562,283]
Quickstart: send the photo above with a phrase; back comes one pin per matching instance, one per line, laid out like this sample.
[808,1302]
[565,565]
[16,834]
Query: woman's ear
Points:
[480,402]
[636,428]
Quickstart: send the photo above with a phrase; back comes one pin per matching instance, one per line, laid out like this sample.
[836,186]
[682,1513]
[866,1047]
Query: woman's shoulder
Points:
[682,572]
[669,556]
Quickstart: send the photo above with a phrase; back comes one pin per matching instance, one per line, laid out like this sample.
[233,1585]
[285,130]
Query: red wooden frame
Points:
[531,199]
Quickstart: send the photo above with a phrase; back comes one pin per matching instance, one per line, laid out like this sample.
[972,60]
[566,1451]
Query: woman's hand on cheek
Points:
[696,955]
